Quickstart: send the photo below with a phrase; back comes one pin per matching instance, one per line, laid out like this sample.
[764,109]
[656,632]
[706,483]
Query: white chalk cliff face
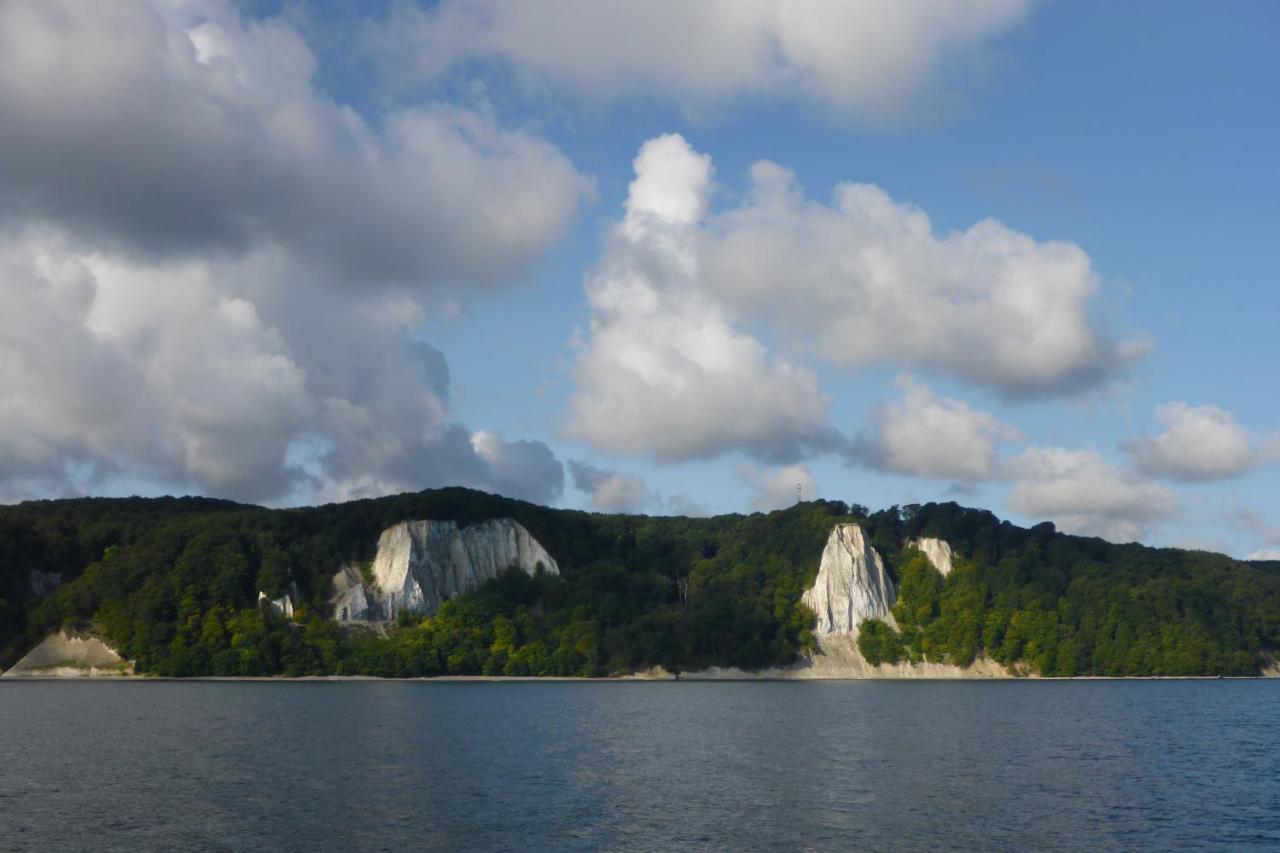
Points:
[852,585]
[938,552]
[70,655]
[420,564]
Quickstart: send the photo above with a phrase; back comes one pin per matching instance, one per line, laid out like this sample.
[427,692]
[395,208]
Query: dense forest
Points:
[173,584]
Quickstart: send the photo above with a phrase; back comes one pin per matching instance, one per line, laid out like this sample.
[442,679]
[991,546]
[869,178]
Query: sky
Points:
[661,257]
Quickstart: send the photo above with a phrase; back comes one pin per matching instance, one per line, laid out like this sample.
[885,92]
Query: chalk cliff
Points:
[938,552]
[68,655]
[420,564]
[282,605]
[852,585]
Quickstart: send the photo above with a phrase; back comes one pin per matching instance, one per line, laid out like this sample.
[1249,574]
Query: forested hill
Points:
[173,584]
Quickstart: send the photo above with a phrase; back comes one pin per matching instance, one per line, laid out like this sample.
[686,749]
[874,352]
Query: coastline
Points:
[608,679]
[837,659]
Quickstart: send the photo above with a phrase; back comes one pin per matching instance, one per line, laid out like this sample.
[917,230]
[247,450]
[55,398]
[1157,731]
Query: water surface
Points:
[1124,765]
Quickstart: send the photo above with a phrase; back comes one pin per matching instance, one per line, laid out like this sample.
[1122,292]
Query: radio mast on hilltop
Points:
[798,498]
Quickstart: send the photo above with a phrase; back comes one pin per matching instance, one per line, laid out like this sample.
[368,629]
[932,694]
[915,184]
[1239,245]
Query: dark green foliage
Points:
[1068,605]
[174,586]
[173,583]
[879,643]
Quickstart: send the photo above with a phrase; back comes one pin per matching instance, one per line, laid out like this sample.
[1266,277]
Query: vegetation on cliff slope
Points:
[173,584]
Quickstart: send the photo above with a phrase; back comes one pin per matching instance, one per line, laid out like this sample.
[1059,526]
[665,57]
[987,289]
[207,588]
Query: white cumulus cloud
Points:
[1199,443]
[674,364]
[664,372]
[1082,493]
[925,434]
[866,281]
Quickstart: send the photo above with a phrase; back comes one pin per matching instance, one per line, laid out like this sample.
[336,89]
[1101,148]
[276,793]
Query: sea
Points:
[646,766]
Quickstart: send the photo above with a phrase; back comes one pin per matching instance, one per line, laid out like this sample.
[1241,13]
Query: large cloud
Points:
[1199,443]
[867,58]
[178,127]
[213,274]
[868,282]
[675,366]
[1084,494]
[664,372]
[924,434]
[216,376]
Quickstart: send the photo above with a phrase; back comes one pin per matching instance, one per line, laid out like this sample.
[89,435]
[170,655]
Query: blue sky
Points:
[316,291]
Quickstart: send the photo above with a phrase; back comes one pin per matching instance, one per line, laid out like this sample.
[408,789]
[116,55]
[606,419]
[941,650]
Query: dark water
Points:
[640,766]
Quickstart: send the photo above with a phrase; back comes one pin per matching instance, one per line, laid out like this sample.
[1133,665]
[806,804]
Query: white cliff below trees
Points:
[938,552]
[852,584]
[421,564]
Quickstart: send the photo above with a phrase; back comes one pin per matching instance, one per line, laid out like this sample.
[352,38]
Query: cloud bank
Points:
[234,266]
[703,322]
[868,59]
[663,372]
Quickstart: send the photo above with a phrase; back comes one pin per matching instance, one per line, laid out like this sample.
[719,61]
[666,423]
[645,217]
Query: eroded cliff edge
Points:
[421,564]
[70,655]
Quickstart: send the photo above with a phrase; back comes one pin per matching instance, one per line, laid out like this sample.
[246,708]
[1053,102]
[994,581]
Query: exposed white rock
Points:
[421,564]
[282,605]
[43,583]
[68,655]
[350,601]
[838,658]
[852,585]
[938,552]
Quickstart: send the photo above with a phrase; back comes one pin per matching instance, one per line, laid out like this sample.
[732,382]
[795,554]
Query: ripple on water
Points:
[636,766]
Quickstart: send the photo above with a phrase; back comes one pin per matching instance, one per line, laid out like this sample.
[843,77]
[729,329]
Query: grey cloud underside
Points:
[185,130]
[219,396]
[234,266]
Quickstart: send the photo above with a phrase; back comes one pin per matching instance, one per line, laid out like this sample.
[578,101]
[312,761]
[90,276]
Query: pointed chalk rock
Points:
[938,552]
[421,564]
[852,585]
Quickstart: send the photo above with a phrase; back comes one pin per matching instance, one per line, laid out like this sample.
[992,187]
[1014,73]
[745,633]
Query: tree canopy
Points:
[173,583]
